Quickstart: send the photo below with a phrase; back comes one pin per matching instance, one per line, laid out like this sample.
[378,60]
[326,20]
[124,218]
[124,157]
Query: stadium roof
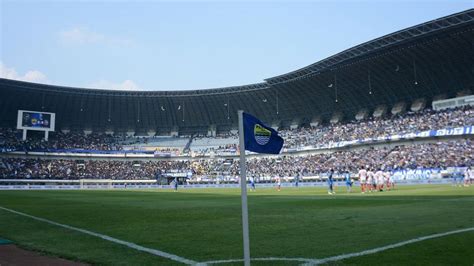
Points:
[382,43]
[433,58]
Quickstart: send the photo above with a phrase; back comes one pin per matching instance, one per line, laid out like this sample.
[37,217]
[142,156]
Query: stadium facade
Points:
[425,61]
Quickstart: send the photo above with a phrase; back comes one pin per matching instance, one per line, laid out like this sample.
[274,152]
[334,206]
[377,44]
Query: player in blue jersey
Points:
[175,184]
[252,184]
[297,179]
[458,177]
[347,178]
[331,182]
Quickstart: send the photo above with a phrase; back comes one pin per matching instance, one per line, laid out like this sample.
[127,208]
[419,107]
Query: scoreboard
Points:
[33,120]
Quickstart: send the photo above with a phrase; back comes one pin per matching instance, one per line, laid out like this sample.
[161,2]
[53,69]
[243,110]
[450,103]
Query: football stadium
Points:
[365,157]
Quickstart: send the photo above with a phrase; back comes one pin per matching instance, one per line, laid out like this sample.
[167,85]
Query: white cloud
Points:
[82,35]
[38,77]
[109,85]
[30,76]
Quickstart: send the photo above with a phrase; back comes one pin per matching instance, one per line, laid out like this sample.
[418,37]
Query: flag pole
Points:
[243,188]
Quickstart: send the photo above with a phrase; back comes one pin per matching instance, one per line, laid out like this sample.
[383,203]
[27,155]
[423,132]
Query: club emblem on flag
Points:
[260,138]
[262,135]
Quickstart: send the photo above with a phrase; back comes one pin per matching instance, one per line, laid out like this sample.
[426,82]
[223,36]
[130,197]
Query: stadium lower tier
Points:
[439,155]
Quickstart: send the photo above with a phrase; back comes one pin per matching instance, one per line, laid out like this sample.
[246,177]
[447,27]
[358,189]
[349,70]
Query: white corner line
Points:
[308,261]
[376,250]
[258,259]
[108,238]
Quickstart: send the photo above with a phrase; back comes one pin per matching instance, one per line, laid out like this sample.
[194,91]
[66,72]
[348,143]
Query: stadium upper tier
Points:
[423,61]
[316,137]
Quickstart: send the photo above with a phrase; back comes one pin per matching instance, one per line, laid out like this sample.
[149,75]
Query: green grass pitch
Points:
[205,224]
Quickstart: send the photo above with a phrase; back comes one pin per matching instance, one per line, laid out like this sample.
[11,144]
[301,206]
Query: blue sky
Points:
[157,45]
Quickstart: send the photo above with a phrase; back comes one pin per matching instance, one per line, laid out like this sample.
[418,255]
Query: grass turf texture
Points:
[205,224]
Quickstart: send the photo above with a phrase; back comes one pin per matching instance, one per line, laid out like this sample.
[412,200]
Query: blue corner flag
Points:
[260,138]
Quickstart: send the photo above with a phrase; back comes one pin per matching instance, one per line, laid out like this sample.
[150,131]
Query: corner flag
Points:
[257,137]
[260,138]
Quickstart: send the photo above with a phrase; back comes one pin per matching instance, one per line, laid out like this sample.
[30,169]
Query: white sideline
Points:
[108,238]
[347,256]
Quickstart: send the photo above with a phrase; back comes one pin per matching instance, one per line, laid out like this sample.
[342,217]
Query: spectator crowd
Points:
[444,154]
[12,139]
[371,127]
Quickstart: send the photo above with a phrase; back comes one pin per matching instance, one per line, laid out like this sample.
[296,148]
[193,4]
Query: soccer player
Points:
[379,179]
[278,182]
[458,176]
[297,179]
[388,179]
[370,179]
[175,184]
[347,177]
[331,182]
[470,174]
[363,179]
[252,184]
[467,177]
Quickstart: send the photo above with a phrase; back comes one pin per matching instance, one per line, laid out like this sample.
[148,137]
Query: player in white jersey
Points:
[370,180]
[388,180]
[471,174]
[278,182]
[379,180]
[468,176]
[363,179]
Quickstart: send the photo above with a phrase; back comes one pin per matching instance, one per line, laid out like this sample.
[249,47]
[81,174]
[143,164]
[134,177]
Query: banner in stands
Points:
[417,174]
[458,131]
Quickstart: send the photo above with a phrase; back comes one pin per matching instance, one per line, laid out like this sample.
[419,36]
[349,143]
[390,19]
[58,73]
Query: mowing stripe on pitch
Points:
[108,238]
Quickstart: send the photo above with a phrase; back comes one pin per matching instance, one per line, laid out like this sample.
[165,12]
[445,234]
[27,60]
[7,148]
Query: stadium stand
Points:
[454,153]
[410,122]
